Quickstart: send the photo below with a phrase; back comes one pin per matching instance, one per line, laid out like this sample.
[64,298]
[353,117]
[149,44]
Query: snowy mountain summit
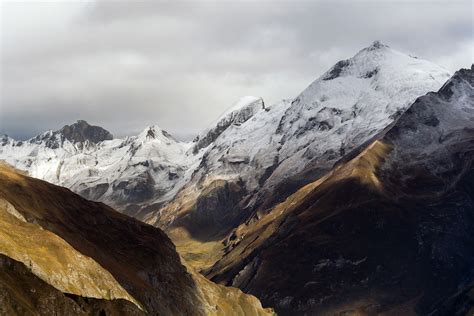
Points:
[79,132]
[353,101]
[260,149]
[293,142]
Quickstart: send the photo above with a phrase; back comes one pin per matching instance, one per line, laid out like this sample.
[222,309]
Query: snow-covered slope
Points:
[121,172]
[267,150]
[349,104]
[281,147]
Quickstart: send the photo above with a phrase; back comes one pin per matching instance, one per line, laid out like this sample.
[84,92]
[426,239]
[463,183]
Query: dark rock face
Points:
[337,70]
[372,73]
[82,131]
[77,133]
[4,140]
[94,193]
[134,191]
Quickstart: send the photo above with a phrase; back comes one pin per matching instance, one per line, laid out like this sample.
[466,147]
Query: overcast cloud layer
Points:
[126,65]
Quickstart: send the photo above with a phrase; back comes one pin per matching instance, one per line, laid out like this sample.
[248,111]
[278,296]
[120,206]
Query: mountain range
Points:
[354,197]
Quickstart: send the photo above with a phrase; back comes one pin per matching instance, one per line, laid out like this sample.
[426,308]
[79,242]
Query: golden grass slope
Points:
[54,260]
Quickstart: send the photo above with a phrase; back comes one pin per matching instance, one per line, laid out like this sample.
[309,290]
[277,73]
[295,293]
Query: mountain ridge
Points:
[256,148]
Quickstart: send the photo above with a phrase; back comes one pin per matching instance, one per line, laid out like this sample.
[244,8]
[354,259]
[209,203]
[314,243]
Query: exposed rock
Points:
[81,131]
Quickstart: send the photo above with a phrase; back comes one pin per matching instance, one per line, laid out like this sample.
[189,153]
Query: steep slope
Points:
[23,293]
[251,166]
[82,256]
[238,114]
[387,231]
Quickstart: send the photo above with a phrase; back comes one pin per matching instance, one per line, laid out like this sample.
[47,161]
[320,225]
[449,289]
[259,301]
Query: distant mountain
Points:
[119,172]
[388,230]
[79,132]
[63,255]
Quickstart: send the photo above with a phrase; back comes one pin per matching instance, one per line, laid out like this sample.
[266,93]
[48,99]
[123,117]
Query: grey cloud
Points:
[125,65]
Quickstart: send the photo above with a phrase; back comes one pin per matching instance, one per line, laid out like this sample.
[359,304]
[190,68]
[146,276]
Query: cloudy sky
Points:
[179,65]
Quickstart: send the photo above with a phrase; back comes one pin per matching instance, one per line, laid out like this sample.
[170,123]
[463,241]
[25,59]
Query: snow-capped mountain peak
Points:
[155,133]
[259,146]
[364,93]
[79,132]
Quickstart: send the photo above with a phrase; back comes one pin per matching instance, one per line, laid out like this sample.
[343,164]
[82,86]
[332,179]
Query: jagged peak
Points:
[463,75]
[377,45]
[377,48]
[82,131]
[5,139]
[79,132]
[152,132]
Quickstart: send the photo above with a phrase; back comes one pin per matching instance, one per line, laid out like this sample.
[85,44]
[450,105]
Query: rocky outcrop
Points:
[81,131]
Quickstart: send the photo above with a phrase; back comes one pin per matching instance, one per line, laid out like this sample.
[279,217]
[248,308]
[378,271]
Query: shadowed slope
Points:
[389,231]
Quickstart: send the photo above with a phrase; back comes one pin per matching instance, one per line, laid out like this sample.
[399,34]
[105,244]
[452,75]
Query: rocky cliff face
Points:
[386,231]
[81,131]
[83,257]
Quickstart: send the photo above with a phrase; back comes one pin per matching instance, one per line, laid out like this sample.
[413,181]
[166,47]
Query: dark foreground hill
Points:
[63,255]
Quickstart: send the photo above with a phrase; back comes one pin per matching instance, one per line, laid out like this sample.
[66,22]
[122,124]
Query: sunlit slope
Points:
[23,293]
[83,249]
[54,260]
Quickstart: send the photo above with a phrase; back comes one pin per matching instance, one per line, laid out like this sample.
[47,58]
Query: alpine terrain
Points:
[387,230]
[356,197]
